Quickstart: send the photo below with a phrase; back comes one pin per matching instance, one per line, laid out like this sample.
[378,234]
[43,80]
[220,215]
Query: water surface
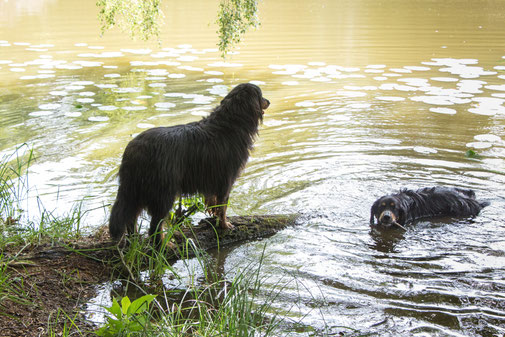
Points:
[367,97]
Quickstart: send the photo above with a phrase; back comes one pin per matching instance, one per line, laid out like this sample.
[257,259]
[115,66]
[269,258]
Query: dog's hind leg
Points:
[123,215]
[158,209]
[210,204]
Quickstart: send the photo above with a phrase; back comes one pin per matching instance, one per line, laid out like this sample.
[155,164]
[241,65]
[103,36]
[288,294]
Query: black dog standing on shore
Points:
[407,205]
[203,157]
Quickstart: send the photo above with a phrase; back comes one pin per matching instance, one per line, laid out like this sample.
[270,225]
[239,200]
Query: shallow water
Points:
[367,97]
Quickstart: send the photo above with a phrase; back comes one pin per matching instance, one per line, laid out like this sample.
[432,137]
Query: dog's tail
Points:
[123,215]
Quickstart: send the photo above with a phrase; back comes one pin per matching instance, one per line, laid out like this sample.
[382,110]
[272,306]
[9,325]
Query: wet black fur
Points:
[203,157]
[427,202]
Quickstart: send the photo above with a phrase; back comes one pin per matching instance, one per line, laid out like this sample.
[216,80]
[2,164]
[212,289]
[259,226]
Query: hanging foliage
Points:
[140,18]
[235,17]
[143,19]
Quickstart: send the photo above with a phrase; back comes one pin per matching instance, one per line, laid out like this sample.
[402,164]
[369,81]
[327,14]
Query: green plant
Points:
[144,18]
[129,318]
[140,18]
[235,17]
[62,325]
[16,226]
[53,228]
[11,288]
[220,307]
[13,184]
[472,154]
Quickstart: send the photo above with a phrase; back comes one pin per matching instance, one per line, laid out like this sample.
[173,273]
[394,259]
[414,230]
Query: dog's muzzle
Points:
[265,104]
[387,218]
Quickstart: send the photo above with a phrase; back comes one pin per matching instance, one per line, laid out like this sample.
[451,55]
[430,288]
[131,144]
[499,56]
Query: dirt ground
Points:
[59,280]
[56,282]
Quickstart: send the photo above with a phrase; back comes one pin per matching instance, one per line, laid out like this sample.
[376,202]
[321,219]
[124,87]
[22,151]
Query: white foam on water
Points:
[444,111]
[305,104]
[98,119]
[164,105]
[390,98]
[41,113]
[145,125]
[49,106]
[425,150]
[487,138]
[107,107]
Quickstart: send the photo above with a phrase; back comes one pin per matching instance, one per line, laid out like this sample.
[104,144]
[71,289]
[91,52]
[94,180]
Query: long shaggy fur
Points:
[203,157]
[408,205]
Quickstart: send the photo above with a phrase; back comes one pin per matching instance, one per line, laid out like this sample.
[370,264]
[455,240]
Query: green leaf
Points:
[125,304]
[472,154]
[102,331]
[141,304]
[114,309]
[135,326]
[235,17]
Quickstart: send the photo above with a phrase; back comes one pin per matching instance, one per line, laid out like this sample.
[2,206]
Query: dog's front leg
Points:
[220,213]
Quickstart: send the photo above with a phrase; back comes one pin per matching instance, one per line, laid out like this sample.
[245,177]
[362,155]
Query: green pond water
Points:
[367,97]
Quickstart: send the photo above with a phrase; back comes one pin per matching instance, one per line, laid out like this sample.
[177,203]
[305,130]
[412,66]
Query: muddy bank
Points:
[55,282]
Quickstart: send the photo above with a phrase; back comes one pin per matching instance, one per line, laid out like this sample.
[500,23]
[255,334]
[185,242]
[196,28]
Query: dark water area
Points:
[367,97]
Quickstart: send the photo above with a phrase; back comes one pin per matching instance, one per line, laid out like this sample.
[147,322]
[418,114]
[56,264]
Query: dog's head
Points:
[388,210]
[247,100]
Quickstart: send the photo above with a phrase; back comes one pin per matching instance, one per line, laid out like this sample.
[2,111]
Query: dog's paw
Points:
[227,225]
[172,246]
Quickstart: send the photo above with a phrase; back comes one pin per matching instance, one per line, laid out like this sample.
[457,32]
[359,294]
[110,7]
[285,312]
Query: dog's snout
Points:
[266,103]
[386,217]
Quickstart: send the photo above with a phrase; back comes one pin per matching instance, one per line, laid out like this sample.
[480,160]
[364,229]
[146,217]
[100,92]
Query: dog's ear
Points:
[244,102]
[373,210]
[403,208]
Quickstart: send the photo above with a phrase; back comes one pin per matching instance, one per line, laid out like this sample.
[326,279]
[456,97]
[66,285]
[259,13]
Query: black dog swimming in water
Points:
[203,157]
[408,205]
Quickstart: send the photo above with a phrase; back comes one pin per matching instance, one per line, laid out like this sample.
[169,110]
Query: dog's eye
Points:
[383,204]
[392,204]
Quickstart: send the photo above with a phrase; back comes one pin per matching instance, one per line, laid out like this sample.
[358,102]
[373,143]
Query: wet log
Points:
[203,237]
[207,235]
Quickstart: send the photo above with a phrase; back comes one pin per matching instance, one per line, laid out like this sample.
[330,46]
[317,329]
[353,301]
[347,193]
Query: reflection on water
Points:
[367,97]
